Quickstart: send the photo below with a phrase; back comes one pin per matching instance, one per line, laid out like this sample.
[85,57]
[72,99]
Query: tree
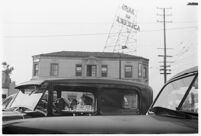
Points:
[7,70]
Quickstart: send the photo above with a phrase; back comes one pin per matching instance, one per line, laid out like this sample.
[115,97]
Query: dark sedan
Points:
[79,97]
[175,110]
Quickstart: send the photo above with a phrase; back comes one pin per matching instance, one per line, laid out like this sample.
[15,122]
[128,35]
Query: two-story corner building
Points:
[75,64]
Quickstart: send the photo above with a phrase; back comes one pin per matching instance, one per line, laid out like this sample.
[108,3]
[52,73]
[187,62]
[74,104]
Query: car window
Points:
[42,105]
[28,98]
[118,101]
[72,101]
[6,102]
[191,102]
[173,93]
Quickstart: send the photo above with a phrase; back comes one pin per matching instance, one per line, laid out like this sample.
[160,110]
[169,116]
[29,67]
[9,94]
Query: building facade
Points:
[75,64]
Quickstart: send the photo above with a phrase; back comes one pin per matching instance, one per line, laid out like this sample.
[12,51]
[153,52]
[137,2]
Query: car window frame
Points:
[185,75]
[44,91]
[52,92]
[129,89]
[187,93]
[7,102]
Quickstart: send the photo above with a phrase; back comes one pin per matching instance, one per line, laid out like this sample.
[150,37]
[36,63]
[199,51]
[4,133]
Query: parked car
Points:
[8,101]
[79,97]
[175,110]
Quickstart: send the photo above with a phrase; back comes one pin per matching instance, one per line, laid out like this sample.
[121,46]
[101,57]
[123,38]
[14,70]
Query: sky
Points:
[32,27]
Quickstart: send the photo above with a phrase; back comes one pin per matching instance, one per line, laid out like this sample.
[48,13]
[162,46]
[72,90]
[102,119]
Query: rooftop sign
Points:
[129,18]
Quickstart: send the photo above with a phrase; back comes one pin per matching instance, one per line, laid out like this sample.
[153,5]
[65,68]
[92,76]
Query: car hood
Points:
[103,124]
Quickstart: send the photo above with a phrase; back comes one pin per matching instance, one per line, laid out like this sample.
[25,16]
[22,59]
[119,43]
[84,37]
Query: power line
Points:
[174,28]
[57,35]
[185,21]
[88,34]
[83,23]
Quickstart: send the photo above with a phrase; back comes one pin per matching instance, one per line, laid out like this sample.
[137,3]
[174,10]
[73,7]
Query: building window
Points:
[145,75]
[128,71]
[35,69]
[54,69]
[139,69]
[91,70]
[104,70]
[78,70]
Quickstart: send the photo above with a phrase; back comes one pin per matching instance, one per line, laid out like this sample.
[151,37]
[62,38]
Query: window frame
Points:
[127,111]
[78,73]
[35,71]
[144,72]
[126,73]
[90,74]
[139,69]
[51,69]
[61,93]
[102,72]
[186,93]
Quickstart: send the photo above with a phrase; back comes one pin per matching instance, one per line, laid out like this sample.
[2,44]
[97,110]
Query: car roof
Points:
[187,71]
[82,80]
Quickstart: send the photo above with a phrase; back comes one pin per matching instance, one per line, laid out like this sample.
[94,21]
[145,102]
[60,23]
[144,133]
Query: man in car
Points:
[61,104]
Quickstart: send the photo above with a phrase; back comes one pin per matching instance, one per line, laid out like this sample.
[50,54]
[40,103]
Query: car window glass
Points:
[28,98]
[73,101]
[173,93]
[6,102]
[130,101]
[191,102]
[42,105]
[116,101]
[81,101]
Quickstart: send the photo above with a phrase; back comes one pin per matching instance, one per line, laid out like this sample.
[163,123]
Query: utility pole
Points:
[164,66]
[164,30]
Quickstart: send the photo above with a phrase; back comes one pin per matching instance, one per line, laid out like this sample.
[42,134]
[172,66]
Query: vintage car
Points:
[7,102]
[79,97]
[175,110]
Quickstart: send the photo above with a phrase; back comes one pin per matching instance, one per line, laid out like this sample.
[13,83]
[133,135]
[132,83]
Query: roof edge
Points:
[123,55]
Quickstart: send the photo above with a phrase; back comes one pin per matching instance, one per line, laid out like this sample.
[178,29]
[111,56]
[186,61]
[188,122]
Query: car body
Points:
[175,110]
[8,101]
[79,97]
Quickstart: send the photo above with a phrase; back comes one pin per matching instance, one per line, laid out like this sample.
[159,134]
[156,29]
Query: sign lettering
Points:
[128,23]
[128,9]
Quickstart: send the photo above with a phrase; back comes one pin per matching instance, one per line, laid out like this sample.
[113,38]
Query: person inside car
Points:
[61,104]
[84,102]
[73,104]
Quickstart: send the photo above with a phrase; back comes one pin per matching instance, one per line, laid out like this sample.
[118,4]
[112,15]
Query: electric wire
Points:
[90,34]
